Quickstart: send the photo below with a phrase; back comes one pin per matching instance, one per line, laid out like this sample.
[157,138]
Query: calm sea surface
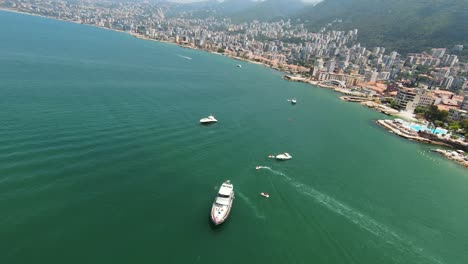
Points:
[102,160]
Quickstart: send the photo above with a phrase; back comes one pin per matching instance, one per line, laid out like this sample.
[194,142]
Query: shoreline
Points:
[139,36]
[347,95]
[456,156]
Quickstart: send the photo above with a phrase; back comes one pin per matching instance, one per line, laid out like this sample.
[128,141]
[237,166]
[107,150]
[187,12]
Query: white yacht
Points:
[283,156]
[222,203]
[209,119]
[293,101]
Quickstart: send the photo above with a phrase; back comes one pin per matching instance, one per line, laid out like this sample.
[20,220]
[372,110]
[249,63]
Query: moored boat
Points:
[283,156]
[264,194]
[222,203]
[293,101]
[208,120]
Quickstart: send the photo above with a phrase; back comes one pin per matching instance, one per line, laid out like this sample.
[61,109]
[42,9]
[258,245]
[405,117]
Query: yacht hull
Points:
[222,204]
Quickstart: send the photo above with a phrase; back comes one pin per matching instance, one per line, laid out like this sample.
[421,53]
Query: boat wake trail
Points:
[185,57]
[406,247]
[251,205]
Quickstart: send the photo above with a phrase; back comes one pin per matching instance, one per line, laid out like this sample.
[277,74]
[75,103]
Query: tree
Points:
[433,114]
[454,126]
[394,105]
[464,126]
[220,50]
[420,110]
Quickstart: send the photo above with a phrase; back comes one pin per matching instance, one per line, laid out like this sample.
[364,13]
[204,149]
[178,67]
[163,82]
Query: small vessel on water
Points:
[239,66]
[185,57]
[293,101]
[264,194]
[283,156]
[222,203]
[208,120]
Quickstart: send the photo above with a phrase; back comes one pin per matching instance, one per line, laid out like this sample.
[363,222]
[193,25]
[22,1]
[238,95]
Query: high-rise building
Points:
[453,59]
[318,63]
[330,65]
[448,82]
[376,50]
[408,99]
[383,76]
[371,76]
[318,66]
[464,105]
[438,53]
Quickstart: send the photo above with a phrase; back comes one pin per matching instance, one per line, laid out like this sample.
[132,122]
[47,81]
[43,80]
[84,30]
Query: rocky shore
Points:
[457,156]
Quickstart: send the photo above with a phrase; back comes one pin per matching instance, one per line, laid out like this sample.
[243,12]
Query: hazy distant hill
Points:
[404,25]
[229,7]
[241,10]
[269,10]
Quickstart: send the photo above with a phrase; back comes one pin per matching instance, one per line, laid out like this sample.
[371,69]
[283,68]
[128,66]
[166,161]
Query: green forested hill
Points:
[403,25]
[269,10]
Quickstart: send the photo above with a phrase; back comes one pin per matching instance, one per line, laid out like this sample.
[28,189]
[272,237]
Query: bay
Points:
[102,160]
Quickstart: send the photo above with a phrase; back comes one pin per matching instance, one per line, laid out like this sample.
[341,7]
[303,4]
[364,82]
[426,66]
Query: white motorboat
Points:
[222,203]
[264,194]
[293,101]
[208,120]
[283,156]
[239,66]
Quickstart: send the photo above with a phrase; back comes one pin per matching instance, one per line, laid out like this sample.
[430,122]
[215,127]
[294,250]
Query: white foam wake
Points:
[185,57]
[251,205]
[363,221]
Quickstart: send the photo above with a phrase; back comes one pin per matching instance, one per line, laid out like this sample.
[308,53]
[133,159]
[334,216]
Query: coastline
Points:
[139,36]
[348,95]
[59,19]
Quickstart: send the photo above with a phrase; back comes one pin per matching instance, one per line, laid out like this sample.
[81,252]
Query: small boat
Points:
[293,101]
[264,194]
[185,57]
[271,156]
[222,203]
[259,167]
[208,120]
[283,156]
[239,66]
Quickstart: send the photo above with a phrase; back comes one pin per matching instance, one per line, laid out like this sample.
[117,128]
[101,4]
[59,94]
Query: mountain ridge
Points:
[402,25]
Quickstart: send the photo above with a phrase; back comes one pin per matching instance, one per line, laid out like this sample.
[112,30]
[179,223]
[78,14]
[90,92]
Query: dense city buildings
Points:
[328,56]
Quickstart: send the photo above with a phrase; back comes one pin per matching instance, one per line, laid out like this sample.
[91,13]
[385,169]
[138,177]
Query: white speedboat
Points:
[293,101]
[264,194]
[208,120]
[222,203]
[283,156]
[239,66]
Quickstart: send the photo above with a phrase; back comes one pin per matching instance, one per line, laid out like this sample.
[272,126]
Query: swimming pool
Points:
[418,127]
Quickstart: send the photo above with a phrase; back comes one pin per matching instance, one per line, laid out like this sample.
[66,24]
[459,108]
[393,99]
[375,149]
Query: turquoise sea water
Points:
[102,160]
